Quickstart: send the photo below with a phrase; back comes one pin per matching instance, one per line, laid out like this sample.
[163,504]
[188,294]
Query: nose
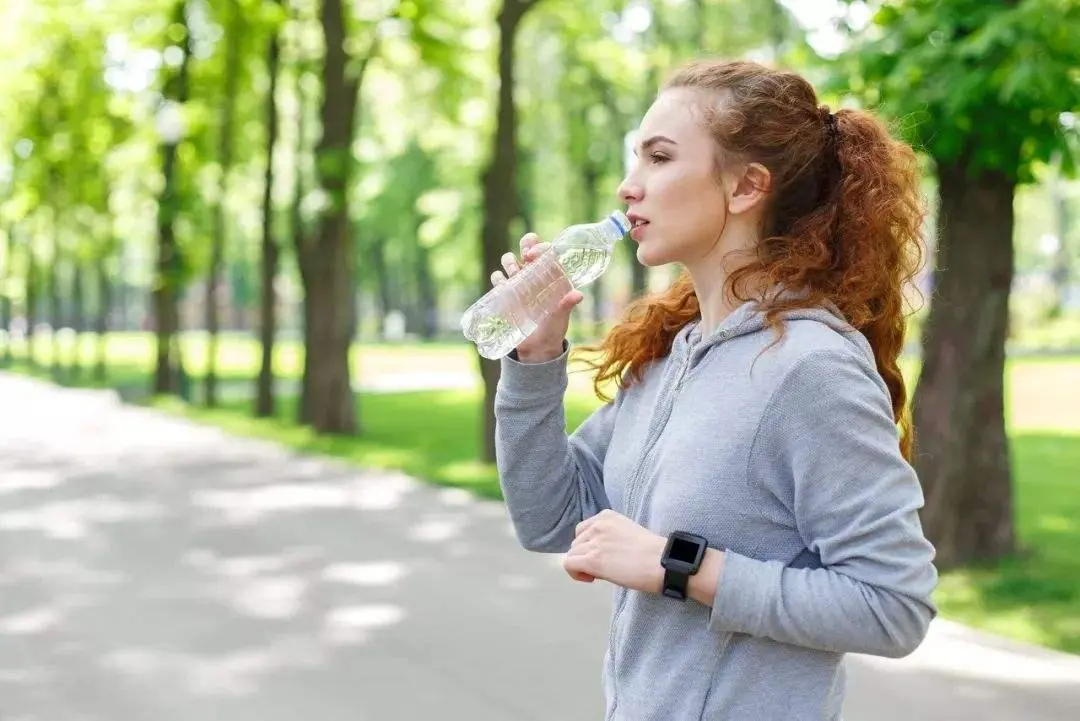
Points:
[630,190]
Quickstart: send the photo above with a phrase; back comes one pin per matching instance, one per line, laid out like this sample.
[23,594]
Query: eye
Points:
[657,158]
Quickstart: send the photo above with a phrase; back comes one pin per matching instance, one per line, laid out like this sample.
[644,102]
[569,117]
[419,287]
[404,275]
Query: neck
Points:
[710,275]
[715,303]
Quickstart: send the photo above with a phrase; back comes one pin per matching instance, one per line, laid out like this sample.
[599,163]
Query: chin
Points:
[653,257]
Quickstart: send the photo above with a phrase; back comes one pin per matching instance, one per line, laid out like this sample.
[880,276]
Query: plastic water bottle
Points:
[509,313]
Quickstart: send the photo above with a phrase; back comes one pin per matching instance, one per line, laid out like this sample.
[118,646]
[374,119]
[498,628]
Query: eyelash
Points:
[658,157]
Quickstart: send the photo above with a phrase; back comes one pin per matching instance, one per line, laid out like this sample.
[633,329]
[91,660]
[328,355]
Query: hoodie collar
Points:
[748,318]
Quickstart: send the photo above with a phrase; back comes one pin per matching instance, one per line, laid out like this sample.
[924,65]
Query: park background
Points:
[236,209]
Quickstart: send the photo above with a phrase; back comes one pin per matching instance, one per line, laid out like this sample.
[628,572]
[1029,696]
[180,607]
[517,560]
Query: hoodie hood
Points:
[749,318]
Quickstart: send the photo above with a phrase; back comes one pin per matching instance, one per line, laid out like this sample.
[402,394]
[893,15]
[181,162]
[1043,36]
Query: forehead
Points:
[677,113]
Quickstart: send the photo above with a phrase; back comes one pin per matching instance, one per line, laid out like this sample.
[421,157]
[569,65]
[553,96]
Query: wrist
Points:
[702,585]
[539,355]
[656,567]
[695,573]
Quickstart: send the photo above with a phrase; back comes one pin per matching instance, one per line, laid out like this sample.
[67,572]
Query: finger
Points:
[584,536]
[534,251]
[584,526]
[576,568]
[571,299]
[497,277]
[528,241]
[509,264]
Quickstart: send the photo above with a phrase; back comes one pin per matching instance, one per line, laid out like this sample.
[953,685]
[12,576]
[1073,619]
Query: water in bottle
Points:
[511,311]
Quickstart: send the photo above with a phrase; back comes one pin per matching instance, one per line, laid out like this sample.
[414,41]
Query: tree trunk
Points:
[56,314]
[327,262]
[428,295]
[962,452]
[169,366]
[305,414]
[1059,272]
[500,195]
[5,299]
[300,239]
[32,281]
[702,26]
[383,281]
[590,182]
[213,323]
[78,320]
[264,392]
[121,295]
[5,323]
[526,158]
[101,324]
[777,30]
[328,330]
[217,243]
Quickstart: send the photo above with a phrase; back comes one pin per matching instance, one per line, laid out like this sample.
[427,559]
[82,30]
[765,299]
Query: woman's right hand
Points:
[546,342]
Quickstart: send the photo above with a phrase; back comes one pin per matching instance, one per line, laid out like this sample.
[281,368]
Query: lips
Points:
[637,225]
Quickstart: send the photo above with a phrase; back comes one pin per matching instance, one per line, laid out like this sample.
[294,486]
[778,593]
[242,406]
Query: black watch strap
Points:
[676,584]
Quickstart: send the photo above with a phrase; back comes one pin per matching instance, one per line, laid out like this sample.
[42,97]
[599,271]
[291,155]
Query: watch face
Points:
[683,550]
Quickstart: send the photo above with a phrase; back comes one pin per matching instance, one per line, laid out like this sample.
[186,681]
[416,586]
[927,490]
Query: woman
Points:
[747,492]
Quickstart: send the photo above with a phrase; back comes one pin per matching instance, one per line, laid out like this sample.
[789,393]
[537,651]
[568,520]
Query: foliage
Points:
[969,78]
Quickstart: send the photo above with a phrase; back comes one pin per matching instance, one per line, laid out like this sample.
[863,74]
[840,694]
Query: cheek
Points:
[700,209]
[691,188]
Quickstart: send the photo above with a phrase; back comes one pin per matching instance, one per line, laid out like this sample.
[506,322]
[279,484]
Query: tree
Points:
[169,366]
[981,87]
[327,260]
[271,252]
[500,193]
[233,20]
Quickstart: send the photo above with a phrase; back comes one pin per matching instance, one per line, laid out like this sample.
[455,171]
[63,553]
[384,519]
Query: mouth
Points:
[637,224]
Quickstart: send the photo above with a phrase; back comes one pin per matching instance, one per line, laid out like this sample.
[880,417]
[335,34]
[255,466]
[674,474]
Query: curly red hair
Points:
[844,223]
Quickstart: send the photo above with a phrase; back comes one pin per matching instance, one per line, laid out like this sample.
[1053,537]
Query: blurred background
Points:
[269,215]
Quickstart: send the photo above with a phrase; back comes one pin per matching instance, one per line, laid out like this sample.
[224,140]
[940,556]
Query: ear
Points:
[747,190]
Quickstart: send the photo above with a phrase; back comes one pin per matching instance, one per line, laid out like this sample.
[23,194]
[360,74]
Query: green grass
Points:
[239,355]
[435,435]
[1036,595]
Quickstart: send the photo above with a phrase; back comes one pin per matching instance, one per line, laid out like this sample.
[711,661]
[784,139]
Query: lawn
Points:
[435,434]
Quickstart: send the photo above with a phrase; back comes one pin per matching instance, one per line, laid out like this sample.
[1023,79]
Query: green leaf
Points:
[988,74]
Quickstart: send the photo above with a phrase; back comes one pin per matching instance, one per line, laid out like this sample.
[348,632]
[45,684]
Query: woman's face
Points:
[674,196]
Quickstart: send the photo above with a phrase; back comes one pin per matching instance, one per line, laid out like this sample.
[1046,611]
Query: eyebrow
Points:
[651,141]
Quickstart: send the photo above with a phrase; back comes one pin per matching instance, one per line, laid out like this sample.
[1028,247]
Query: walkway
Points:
[155,570]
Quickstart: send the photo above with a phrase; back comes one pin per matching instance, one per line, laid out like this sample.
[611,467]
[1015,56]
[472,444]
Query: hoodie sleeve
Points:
[551,482]
[827,444]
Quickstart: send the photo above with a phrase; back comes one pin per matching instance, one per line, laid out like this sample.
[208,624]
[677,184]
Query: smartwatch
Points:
[681,560]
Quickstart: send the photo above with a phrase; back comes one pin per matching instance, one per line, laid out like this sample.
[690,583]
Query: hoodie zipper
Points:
[631,508]
[654,440]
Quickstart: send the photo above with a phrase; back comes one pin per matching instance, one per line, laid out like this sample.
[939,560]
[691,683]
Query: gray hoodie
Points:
[786,458]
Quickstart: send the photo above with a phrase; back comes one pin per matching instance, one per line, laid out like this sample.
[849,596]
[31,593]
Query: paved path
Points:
[154,570]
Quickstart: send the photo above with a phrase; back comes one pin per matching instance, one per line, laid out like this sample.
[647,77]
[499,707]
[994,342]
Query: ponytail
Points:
[879,228]
[844,223]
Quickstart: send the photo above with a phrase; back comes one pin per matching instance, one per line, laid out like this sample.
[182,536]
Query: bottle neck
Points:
[613,225]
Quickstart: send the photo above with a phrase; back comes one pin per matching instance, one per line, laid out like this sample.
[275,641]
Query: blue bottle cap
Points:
[621,222]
